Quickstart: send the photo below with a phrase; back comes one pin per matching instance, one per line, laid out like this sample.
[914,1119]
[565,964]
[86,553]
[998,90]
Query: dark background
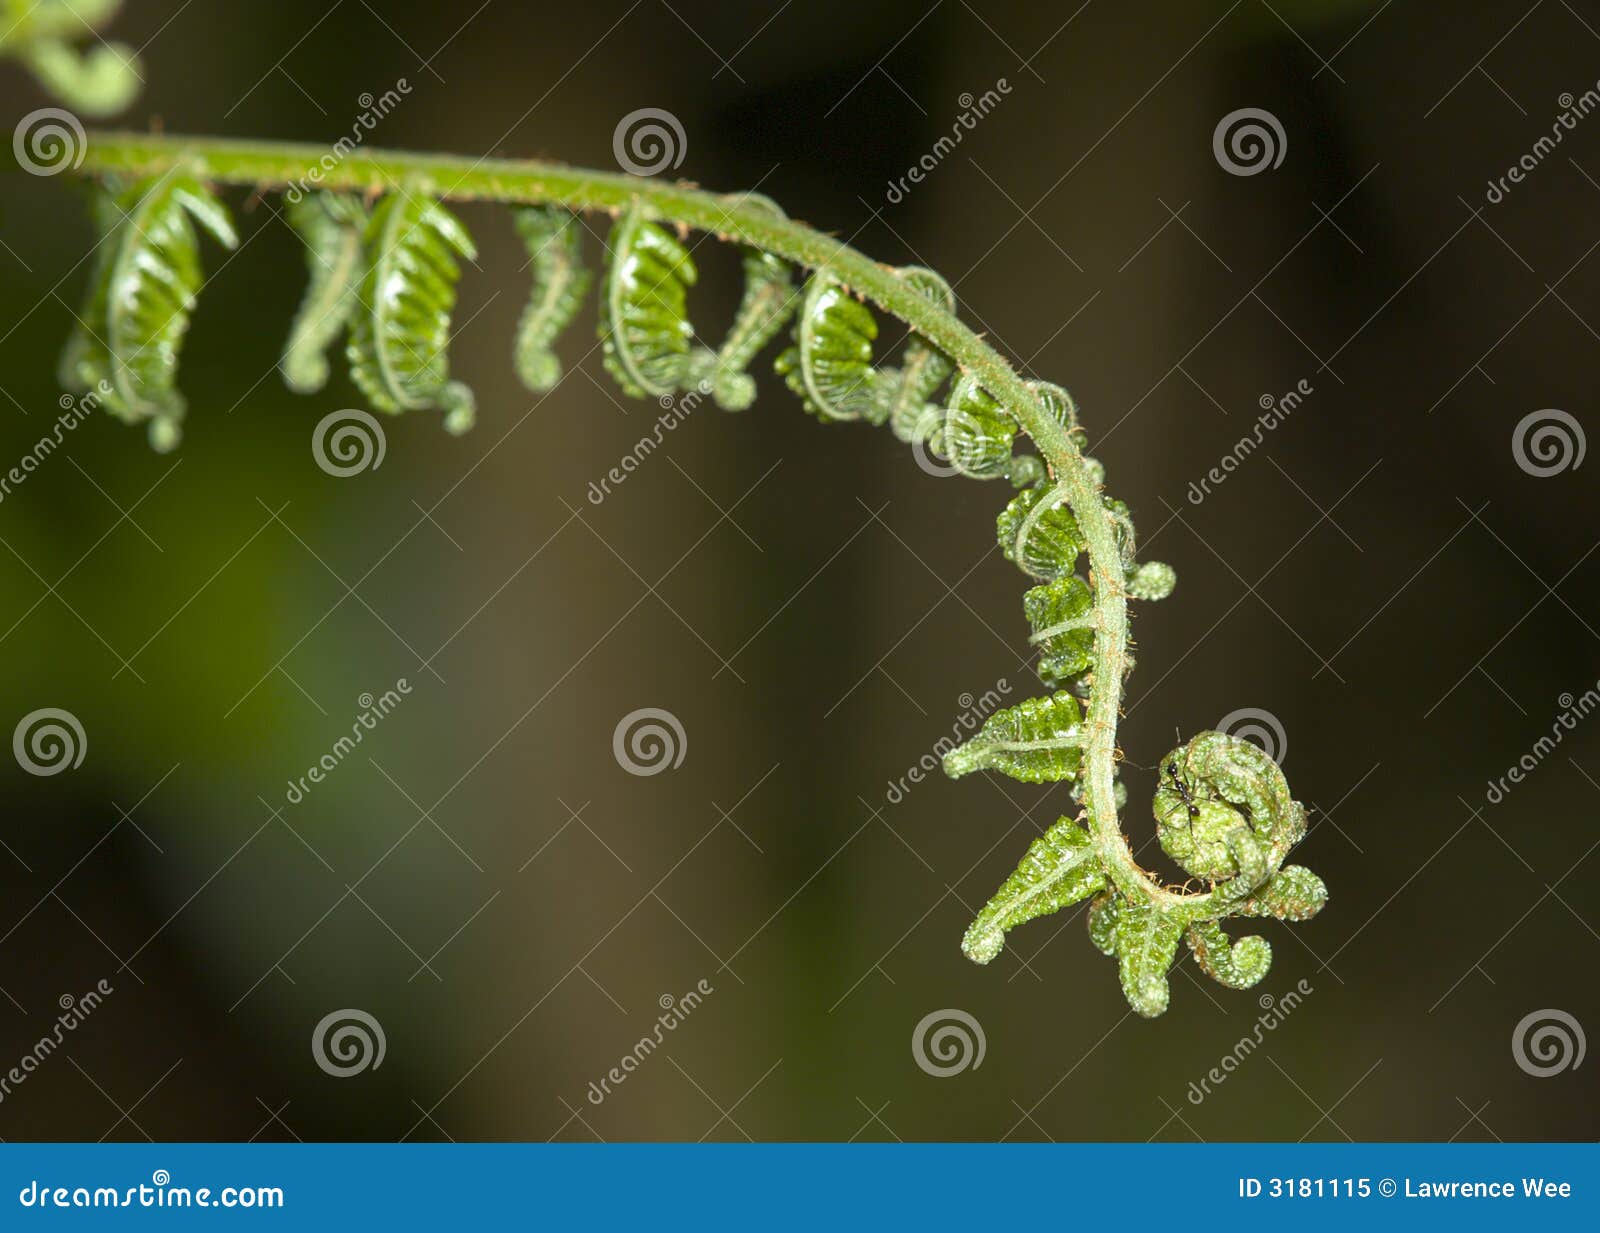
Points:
[483,878]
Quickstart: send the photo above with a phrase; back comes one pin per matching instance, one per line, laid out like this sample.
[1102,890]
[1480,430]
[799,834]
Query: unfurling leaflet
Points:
[141,292]
[554,240]
[399,336]
[331,227]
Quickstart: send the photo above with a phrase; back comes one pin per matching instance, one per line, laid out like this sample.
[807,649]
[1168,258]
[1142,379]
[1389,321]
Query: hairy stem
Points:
[284,165]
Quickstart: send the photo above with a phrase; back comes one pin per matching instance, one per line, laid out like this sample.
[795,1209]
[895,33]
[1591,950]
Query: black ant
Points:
[1183,789]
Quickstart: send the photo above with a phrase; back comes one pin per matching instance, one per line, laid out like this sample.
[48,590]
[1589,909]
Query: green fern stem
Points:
[749,221]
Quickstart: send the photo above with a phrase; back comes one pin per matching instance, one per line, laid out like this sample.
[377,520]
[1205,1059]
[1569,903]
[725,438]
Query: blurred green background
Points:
[511,906]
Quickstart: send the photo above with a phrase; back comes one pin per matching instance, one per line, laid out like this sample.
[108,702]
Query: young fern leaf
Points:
[1037,531]
[1293,893]
[1103,915]
[1238,965]
[976,435]
[1060,868]
[1060,613]
[331,227]
[143,288]
[554,240]
[1147,942]
[905,391]
[45,35]
[1037,741]
[644,321]
[769,301]
[830,364]
[407,293]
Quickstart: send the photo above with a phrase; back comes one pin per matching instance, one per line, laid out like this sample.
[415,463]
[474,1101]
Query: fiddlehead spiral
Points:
[57,41]
[554,239]
[141,292]
[1243,821]
[407,293]
[644,321]
[331,227]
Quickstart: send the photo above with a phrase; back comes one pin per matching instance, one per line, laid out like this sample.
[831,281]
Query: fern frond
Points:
[48,37]
[1147,942]
[830,363]
[769,300]
[1060,614]
[1222,807]
[1039,533]
[1037,741]
[976,435]
[1238,965]
[330,226]
[554,240]
[142,290]
[407,293]
[905,392]
[644,321]
[1060,868]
